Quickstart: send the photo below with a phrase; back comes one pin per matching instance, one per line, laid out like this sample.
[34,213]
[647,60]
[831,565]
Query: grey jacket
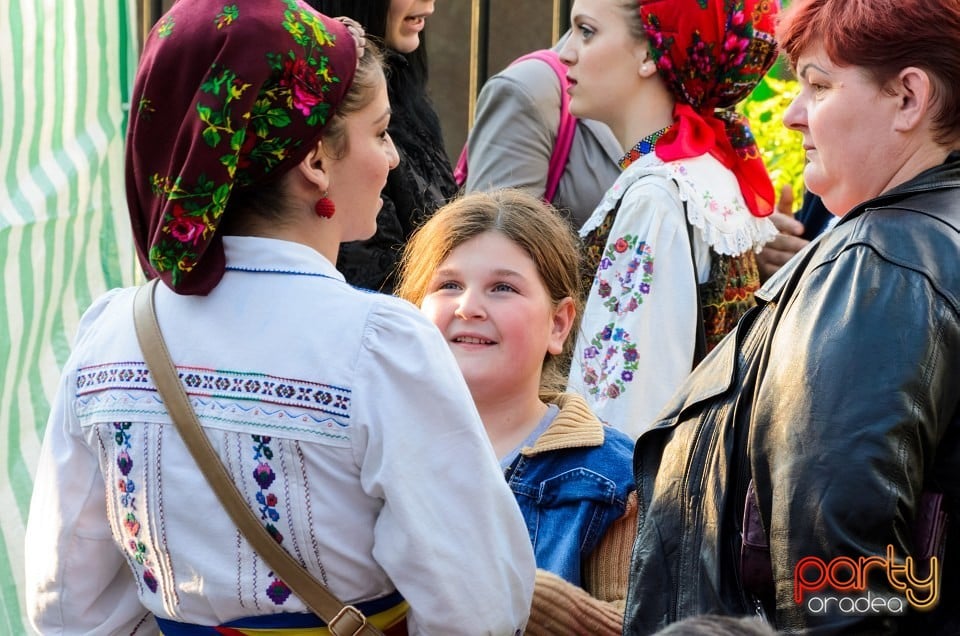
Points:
[518,114]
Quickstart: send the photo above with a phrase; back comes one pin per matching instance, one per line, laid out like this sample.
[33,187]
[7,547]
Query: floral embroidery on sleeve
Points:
[624,291]
[623,279]
[609,362]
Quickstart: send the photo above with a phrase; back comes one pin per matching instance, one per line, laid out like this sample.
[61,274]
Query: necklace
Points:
[643,147]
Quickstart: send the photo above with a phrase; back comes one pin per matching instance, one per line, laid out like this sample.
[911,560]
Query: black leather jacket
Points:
[838,395]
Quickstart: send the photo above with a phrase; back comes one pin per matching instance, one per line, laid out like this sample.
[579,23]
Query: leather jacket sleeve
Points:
[846,427]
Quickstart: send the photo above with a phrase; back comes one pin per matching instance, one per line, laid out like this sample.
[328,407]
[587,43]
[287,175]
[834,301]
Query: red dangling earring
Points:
[325,207]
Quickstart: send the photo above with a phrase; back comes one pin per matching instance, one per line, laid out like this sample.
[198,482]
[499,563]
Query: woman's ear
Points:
[563,317]
[648,68]
[913,88]
[314,168]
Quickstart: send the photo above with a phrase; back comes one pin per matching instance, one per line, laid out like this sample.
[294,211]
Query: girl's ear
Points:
[563,317]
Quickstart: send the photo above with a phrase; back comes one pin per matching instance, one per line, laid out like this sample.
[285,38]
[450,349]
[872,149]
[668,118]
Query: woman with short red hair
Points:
[837,396]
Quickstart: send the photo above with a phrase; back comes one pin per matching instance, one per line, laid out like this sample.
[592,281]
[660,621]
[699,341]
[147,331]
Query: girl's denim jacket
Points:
[572,484]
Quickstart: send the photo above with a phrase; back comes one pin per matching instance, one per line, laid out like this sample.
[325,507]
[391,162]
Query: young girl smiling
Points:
[498,274]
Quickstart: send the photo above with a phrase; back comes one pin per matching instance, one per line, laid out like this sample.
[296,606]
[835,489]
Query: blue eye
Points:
[503,287]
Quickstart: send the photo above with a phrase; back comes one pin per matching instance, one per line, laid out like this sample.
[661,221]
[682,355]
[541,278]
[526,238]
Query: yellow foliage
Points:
[781,148]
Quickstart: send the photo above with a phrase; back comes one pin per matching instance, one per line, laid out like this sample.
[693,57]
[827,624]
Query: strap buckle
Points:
[354,619]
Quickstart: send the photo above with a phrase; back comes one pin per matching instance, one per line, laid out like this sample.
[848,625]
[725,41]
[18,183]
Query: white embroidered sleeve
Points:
[637,339]
[77,581]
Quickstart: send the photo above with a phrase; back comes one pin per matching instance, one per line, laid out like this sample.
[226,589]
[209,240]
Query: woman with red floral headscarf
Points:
[670,248]
[257,144]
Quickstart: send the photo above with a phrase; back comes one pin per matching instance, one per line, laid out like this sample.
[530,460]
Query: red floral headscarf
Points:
[228,94]
[712,54]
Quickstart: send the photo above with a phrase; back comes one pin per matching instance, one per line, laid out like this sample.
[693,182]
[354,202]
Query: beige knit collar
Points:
[575,426]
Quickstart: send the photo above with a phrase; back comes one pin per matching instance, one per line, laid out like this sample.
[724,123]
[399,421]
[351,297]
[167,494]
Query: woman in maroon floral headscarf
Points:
[671,263]
[258,144]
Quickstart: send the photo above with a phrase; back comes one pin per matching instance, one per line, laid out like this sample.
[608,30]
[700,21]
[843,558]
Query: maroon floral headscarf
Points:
[712,54]
[228,94]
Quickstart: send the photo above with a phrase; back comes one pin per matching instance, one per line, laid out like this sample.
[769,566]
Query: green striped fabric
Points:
[65,76]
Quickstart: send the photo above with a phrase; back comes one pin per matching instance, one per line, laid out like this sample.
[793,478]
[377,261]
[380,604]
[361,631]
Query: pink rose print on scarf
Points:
[185,227]
[302,82]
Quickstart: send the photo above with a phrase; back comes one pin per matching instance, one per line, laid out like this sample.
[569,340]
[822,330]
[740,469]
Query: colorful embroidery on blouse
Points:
[623,293]
[609,362]
[594,244]
[611,359]
[714,205]
[727,294]
[291,407]
[643,147]
[263,474]
[127,488]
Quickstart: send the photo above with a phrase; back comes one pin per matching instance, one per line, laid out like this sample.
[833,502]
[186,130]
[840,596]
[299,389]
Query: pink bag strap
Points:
[460,170]
[565,131]
[568,123]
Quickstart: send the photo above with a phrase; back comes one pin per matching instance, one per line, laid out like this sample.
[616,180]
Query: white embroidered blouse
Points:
[637,338]
[343,419]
